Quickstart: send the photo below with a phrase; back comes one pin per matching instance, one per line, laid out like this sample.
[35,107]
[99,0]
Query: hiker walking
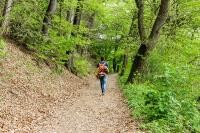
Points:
[102,71]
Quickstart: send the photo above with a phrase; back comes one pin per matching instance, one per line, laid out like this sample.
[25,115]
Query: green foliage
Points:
[111,19]
[165,97]
[26,24]
[54,48]
[82,66]
[2,48]
[161,109]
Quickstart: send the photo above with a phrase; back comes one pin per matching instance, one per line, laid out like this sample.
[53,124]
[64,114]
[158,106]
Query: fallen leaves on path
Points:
[33,100]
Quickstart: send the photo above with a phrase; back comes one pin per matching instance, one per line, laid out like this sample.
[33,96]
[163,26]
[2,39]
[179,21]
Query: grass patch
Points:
[2,48]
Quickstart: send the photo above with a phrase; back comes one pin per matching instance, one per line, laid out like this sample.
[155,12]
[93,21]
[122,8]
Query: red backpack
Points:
[102,69]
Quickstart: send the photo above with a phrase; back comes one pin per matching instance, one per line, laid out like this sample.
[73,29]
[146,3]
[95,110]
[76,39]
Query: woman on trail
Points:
[102,71]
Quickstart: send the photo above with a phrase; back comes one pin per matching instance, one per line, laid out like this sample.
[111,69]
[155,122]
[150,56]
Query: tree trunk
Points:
[91,19]
[70,64]
[5,15]
[159,22]
[70,15]
[124,64]
[141,26]
[114,64]
[70,19]
[118,67]
[76,22]
[137,62]
[60,15]
[47,18]
[77,16]
[145,48]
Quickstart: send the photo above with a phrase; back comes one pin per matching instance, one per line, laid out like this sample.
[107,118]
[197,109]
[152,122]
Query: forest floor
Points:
[92,113]
[34,100]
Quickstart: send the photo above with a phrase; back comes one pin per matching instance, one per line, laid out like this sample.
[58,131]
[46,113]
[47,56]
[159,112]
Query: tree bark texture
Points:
[124,64]
[47,18]
[76,22]
[5,15]
[159,22]
[115,62]
[77,16]
[70,15]
[141,26]
[137,62]
[145,48]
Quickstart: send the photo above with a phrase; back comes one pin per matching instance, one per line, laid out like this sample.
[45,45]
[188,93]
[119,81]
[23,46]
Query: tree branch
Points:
[159,22]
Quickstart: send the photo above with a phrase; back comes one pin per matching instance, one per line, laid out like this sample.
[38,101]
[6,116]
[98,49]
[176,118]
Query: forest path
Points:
[89,112]
[35,100]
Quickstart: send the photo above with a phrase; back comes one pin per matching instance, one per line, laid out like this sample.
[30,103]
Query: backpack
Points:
[102,69]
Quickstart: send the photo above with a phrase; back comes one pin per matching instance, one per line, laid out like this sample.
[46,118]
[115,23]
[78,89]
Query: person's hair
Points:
[102,58]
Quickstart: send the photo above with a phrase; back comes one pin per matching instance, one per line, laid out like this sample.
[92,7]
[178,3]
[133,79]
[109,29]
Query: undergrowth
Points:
[166,97]
[26,30]
[82,65]
[2,48]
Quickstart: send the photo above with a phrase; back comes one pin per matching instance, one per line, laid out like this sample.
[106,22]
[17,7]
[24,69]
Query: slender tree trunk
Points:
[141,26]
[5,15]
[124,64]
[146,47]
[91,20]
[118,67]
[60,15]
[76,22]
[70,19]
[47,18]
[70,16]
[77,16]
[114,64]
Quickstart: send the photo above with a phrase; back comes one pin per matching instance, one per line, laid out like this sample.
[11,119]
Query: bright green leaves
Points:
[163,109]
[165,96]
[2,48]
[82,66]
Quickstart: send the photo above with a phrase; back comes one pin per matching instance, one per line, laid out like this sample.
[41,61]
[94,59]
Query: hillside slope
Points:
[28,93]
[33,99]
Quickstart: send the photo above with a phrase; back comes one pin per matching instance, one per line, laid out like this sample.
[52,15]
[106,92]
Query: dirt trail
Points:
[34,100]
[92,113]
